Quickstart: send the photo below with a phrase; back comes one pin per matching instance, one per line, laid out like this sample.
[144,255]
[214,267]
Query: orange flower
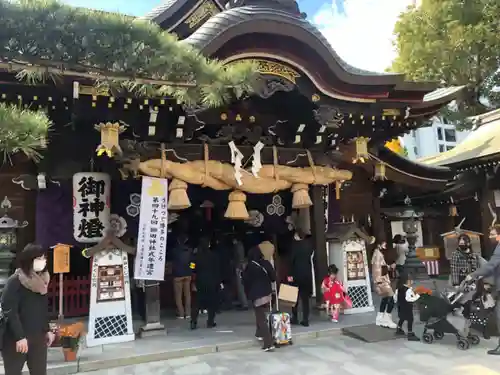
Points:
[422,290]
[72,330]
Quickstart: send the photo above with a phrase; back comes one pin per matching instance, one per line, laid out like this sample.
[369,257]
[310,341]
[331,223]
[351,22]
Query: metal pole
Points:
[61,297]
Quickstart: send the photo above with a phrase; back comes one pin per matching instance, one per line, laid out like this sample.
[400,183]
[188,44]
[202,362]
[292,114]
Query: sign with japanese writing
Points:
[152,238]
[91,206]
[61,258]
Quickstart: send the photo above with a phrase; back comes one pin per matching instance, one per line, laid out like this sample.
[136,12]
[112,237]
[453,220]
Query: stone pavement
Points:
[235,331]
[337,355]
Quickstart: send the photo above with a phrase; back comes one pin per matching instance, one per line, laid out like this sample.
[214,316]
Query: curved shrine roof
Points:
[221,28]
[231,19]
[484,142]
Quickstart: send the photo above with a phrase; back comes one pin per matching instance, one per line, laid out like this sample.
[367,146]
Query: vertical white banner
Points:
[152,238]
[91,206]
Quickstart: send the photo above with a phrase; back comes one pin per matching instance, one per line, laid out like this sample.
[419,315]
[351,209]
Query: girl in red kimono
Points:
[333,293]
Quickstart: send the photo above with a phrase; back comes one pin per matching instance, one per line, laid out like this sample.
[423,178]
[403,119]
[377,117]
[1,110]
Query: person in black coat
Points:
[180,256]
[207,283]
[258,277]
[25,305]
[301,275]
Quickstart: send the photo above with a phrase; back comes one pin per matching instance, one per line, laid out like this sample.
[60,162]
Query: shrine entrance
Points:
[270,218]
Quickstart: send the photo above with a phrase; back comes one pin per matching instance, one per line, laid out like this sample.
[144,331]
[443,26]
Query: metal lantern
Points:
[361,150]
[8,240]
[379,173]
[453,210]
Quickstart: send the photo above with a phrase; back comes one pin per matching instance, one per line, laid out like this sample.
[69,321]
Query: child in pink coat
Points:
[333,292]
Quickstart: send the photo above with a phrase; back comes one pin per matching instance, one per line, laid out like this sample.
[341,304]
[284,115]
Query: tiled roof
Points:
[482,142]
[219,23]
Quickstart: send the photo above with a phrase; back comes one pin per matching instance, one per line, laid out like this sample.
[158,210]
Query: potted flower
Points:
[71,336]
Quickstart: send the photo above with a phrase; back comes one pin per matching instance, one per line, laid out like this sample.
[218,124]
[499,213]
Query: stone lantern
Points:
[8,241]
[413,264]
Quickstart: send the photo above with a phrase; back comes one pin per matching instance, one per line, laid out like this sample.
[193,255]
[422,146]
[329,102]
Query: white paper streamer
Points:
[256,161]
[236,159]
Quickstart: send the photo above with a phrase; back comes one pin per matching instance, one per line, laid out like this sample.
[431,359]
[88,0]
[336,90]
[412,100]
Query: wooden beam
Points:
[294,157]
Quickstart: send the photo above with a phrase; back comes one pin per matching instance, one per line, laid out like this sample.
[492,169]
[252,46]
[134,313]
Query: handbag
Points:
[288,293]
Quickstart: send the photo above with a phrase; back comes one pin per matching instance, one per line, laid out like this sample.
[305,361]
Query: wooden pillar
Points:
[487,196]
[318,229]
[377,222]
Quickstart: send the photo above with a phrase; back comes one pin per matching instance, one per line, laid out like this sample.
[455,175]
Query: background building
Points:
[439,137]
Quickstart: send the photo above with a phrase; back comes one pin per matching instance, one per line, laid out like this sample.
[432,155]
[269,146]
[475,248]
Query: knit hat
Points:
[267,250]
[30,252]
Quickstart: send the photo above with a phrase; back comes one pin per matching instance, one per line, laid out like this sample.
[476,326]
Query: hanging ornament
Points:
[118,225]
[361,150]
[236,159]
[453,208]
[338,186]
[256,161]
[379,173]
[110,133]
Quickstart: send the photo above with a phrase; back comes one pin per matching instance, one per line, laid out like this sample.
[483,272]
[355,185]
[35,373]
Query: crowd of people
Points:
[200,275]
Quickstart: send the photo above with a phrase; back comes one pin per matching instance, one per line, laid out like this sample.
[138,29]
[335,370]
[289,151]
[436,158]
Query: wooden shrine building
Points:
[315,122]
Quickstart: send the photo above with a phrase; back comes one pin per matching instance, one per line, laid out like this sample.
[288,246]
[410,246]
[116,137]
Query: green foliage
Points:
[453,42]
[22,131]
[46,33]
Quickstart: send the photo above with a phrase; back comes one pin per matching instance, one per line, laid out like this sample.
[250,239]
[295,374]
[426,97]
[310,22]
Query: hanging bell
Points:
[110,144]
[379,173]
[361,150]
[453,210]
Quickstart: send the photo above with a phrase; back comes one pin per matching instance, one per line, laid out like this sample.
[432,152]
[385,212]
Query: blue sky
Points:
[360,31]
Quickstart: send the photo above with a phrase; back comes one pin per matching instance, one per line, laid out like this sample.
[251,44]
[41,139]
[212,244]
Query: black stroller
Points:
[442,315]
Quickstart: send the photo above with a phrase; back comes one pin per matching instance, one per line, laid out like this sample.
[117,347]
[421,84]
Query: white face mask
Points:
[39,265]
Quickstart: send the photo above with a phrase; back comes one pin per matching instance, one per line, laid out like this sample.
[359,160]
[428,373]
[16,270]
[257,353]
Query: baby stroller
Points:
[479,308]
[442,315]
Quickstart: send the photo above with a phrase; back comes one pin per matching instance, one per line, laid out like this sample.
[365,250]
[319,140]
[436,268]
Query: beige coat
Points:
[381,284]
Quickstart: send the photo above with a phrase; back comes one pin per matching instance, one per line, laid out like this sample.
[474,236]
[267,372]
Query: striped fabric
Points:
[432,267]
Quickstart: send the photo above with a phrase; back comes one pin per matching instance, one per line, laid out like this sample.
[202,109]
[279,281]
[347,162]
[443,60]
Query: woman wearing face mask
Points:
[401,251]
[463,261]
[382,286]
[25,304]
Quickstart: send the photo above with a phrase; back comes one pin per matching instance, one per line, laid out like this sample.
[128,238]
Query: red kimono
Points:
[333,291]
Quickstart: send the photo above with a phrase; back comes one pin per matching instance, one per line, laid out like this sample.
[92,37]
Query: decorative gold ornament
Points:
[391,112]
[251,119]
[206,10]
[272,68]
[379,173]
[453,210]
[238,117]
[223,116]
[110,133]
[315,98]
[361,150]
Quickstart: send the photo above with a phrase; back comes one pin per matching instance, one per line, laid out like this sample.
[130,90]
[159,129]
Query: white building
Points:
[429,141]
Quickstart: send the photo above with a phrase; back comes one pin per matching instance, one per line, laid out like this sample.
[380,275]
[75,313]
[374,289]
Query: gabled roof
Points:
[346,231]
[484,142]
